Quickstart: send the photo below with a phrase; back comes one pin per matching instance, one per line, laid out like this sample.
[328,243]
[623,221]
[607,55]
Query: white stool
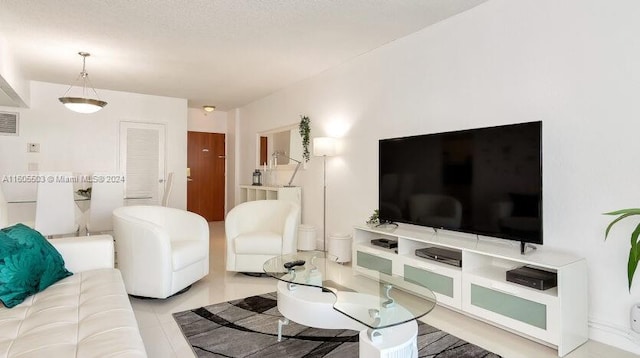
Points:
[306,237]
[340,247]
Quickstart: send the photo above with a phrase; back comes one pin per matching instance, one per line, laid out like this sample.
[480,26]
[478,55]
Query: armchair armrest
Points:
[86,253]
[290,231]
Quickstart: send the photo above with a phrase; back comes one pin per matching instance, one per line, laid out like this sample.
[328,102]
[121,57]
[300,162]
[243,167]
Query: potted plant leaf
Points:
[634,251]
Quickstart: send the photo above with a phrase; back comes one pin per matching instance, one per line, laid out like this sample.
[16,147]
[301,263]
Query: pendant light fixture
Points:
[83,104]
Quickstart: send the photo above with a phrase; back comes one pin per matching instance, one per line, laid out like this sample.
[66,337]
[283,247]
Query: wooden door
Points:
[263,151]
[206,160]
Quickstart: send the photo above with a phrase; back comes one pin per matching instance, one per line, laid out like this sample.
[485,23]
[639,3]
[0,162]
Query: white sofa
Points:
[160,250]
[84,315]
[259,230]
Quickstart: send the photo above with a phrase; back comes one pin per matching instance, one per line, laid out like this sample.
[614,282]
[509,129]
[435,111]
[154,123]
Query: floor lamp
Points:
[324,147]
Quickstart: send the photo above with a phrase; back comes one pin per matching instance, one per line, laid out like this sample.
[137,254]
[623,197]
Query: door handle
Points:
[222,156]
[205,150]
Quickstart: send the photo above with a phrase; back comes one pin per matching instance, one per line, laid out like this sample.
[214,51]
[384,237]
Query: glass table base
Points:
[317,292]
[313,307]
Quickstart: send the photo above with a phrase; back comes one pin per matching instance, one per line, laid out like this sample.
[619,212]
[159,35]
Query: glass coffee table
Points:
[317,292]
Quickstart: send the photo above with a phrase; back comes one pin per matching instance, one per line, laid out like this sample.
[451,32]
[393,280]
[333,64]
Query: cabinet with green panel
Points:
[444,282]
[373,262]
[530,312]
[557,316]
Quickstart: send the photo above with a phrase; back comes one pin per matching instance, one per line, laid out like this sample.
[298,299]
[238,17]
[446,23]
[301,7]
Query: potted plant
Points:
[374,219]
[305,132]
[634,251]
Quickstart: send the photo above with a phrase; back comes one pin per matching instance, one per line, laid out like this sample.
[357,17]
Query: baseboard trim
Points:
[614,335]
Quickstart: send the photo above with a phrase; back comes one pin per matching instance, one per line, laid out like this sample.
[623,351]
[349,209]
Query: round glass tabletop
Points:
[378,302]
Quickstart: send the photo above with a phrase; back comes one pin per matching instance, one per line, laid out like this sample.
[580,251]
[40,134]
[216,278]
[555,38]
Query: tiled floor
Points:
[163,338]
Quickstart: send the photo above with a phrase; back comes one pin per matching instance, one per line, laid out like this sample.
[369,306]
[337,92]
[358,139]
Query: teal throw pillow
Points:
[28,264]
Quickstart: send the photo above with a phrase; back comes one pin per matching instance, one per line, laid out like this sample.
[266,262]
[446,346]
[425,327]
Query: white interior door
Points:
[142,161]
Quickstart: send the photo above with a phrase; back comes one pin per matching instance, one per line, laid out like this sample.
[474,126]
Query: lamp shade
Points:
[324,146]
[82,105]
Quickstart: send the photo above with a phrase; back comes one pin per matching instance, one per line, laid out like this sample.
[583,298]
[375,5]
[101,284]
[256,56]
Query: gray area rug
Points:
[248,328]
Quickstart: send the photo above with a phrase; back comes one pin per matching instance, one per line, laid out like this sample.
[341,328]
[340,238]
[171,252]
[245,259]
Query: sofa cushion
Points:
[85,315]
[258,243]
[28,264]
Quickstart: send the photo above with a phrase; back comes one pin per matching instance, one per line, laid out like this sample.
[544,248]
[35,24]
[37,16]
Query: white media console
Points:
[556,317]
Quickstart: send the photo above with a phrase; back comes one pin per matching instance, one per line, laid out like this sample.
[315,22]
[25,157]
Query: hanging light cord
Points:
[85,78]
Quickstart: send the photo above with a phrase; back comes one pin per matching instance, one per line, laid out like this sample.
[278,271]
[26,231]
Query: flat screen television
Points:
[485,181]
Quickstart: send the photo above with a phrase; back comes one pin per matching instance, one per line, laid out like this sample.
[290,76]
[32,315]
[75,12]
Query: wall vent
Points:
[8,123]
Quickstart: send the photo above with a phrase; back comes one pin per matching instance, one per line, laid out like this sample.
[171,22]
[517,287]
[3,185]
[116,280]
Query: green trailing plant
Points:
[634,252]
[305,132]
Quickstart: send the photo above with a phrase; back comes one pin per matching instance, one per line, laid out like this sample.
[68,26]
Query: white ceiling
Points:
[225,53]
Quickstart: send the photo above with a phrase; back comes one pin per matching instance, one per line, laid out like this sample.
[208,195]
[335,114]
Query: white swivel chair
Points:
[259,230]
[55,207]
[105,197]
[161,250]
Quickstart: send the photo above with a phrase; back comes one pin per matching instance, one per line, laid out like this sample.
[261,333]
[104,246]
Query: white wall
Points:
[201,121]
[12,82]
[572,64]
[87,143]
[233,153]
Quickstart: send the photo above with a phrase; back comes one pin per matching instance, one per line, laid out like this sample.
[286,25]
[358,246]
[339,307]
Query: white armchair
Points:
[259,230]
[160,250]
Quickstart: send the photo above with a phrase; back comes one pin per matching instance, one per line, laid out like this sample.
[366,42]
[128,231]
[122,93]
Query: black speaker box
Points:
[386,243]
[440,254]
[533,277]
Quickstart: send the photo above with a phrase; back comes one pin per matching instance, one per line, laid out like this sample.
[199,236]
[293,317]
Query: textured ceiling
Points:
[221,52]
